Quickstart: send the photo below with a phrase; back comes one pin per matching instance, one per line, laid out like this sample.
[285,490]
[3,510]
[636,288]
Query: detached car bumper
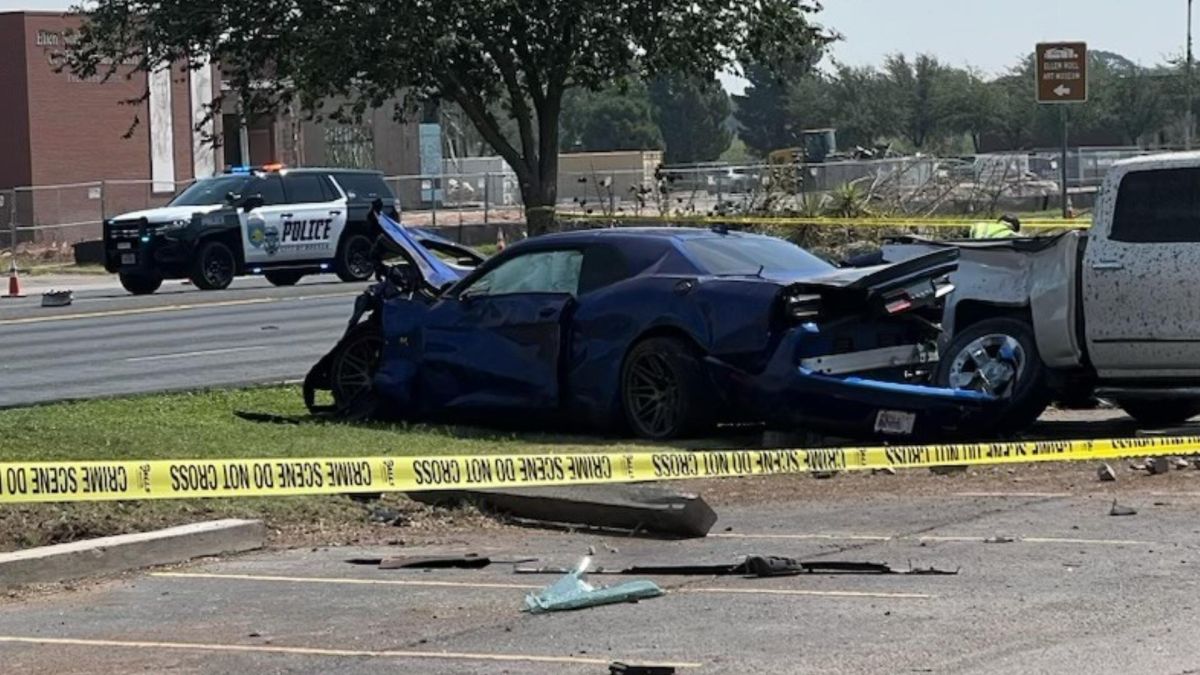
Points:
[786,395]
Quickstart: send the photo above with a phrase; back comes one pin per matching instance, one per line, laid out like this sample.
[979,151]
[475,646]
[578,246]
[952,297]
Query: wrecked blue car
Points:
[665,333]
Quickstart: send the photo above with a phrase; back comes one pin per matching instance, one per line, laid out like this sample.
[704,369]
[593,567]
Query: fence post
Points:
[12,223]
[433,197]
[103,203]
[487,195]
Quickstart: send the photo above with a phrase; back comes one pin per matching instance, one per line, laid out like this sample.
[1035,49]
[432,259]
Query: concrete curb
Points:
[109,555]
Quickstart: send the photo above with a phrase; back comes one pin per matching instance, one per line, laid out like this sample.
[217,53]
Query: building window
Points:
[350,146]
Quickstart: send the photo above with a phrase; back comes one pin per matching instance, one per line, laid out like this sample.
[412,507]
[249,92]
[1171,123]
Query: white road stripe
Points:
[929,538]
[184,355]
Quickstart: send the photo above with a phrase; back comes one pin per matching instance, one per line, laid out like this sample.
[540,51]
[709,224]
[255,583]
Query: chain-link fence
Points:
[59,215]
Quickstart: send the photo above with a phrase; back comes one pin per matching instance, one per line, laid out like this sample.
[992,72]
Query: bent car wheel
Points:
[213,267]
[283,277]
[661,389]
[354,258]
[1161,413]
[998,357]
[352,371]
[140,284]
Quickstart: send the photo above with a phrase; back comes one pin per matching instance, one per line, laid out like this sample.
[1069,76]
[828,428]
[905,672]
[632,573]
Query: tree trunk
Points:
[539,198]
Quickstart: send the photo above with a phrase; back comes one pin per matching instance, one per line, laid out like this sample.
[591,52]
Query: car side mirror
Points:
[252,202]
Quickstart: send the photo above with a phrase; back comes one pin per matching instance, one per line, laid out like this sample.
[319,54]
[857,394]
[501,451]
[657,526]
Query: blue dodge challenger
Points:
[665,333]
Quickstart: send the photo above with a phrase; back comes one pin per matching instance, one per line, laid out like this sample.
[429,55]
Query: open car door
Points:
[497,344]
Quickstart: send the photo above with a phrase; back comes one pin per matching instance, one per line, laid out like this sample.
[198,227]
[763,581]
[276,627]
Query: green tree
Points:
[859,106]
[340,58]
[617,118]
[693,117]
[917,91]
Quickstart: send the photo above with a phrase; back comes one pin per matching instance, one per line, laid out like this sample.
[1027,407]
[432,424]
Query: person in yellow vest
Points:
[1007,226]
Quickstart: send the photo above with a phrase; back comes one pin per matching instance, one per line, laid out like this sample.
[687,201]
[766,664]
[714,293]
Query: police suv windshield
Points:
[209,191]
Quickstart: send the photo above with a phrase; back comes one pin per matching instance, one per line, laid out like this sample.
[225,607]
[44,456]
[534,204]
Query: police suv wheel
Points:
[213,267]
[354,258]
[140,284]
[283,277]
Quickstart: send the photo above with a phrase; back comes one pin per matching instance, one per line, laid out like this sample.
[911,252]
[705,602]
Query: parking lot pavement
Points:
[1073,590]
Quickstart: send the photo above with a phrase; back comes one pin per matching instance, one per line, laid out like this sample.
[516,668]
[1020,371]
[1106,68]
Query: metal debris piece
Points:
[999,539]
[1157,465]
[1180,463]
[618,668]
[1105,473]
[884,470]
[573,592]
[57,298]
[1118,510]
[754,566]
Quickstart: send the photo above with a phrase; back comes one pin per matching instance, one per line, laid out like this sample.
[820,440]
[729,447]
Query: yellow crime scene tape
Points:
[22,482]
[793,221]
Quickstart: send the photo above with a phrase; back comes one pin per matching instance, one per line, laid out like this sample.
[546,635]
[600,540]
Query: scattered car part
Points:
[642,508]
[753,566]
[1105,473]
[573,592]
[1119,510]
[619,668]
[57,298]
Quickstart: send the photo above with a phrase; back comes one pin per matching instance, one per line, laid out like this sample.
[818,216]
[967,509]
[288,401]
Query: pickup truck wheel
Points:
[352,370]
[998,357]
[661,389]
[214,266]
[140,284]
[354,258]
[283,277]
[1161,413]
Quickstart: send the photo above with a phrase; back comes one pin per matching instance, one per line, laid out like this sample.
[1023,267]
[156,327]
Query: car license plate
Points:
[124,246]
[895,422]
[128,258]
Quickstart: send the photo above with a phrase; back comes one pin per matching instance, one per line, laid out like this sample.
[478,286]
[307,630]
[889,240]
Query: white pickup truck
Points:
[1113,313]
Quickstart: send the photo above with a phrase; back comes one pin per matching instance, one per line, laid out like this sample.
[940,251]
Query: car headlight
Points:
[173,226]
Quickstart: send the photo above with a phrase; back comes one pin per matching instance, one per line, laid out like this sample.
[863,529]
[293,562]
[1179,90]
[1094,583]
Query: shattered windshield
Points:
[735,256]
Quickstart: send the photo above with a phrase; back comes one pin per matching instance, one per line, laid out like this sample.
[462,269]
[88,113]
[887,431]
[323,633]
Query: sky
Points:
[988,34]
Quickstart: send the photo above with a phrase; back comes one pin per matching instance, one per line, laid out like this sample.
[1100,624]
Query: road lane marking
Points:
[133,311]
[827,594]
[523,587]
[932,538]
[184,355]
[319,651]
[334,580]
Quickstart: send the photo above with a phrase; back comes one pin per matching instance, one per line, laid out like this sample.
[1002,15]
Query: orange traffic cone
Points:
[501,242]
[14,282]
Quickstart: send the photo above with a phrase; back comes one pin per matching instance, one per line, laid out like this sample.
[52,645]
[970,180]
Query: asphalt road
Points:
[1074,591]
[109,342]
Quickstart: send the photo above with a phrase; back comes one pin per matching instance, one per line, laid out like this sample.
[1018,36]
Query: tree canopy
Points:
[340,58]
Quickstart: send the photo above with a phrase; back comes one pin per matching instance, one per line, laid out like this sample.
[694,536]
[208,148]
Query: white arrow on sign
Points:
[1062,90]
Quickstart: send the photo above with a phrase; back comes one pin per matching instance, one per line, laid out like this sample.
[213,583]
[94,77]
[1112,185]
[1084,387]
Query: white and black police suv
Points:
[281,223]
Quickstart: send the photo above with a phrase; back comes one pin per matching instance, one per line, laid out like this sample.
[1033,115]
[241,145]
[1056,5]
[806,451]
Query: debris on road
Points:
[1118,510]
[1105,473]
[618,668]
[999,539]
[573,592]
[753,566]
[641,508]
[470,561]
[1180,463]
[1157,465]
[883,471]
[57,298]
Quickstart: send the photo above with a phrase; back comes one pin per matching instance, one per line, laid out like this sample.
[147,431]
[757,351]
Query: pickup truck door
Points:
[1141,298]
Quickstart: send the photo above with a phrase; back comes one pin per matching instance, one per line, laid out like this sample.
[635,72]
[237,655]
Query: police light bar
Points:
[246,169]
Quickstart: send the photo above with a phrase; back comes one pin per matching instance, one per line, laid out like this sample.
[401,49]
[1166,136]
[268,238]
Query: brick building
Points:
[107,156]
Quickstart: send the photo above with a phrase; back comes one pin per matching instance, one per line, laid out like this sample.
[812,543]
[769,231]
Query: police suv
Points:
[281,223]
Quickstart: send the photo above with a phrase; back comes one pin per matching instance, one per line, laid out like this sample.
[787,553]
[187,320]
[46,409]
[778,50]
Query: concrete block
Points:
[645,508]
[109,555]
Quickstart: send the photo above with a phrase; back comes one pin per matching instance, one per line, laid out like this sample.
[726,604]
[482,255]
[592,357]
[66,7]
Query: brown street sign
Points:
[1062,72]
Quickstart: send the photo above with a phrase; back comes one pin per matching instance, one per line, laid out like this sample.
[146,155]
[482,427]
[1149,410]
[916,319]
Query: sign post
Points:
[1062,78]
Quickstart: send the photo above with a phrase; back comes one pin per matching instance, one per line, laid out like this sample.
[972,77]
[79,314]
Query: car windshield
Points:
[210,191]
[737,255]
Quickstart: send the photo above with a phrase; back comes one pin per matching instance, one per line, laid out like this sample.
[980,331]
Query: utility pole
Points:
[1187,129]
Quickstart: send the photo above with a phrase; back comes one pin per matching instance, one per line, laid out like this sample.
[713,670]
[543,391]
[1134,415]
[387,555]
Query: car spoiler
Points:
[880,279]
